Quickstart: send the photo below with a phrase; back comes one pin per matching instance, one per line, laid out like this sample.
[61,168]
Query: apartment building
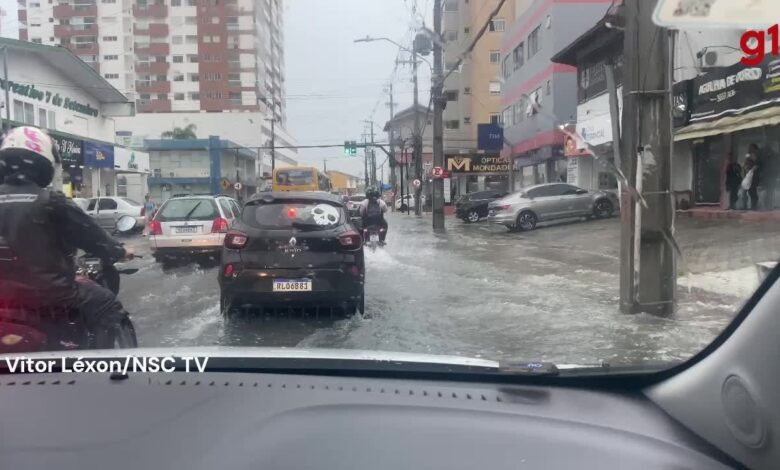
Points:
[173,55]
[538,96]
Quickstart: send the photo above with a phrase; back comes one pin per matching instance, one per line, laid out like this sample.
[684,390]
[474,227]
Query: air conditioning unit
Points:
[709,59]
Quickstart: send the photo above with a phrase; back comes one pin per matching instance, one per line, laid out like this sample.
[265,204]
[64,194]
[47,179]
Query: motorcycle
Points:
[372,237]
[24,330]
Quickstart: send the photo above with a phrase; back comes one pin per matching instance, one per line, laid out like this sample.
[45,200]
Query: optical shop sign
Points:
[56,99]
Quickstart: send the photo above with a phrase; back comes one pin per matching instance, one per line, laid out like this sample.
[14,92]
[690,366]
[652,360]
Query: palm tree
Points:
[181,133]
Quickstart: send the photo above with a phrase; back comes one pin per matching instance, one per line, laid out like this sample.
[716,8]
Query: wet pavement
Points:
[478,290]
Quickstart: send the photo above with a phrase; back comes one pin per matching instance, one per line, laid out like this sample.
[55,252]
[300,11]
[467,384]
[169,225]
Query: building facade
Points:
[51,88]
[344,182]
[400,130]
[201,166]
[538,96]
[173,55]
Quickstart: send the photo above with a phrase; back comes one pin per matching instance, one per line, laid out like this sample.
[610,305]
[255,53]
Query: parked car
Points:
[353,204]
[107,210]
[190,226]
[81,202]
[293,249]
[544,202]
[401,203]
[473,206]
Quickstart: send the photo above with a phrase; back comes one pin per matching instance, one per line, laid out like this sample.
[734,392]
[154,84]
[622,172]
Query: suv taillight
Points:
[155,228]
[501,208]
[219,225]
[351,240]
[236,240]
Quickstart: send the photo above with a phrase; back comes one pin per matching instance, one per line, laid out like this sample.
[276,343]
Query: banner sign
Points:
[477,164]
[682,14]
[98,155]
[490,137]
[736,89]
[131,160]
[29,91]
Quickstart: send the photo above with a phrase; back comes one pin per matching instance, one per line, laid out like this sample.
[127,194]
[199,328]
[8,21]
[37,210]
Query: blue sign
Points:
[98,155]
[490,137]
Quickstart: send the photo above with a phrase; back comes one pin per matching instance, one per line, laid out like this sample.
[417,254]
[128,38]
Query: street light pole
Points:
[438,115]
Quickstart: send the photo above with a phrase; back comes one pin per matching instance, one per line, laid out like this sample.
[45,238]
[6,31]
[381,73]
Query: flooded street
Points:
[477,290]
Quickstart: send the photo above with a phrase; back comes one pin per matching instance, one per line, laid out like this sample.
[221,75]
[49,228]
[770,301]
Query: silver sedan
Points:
[541,203]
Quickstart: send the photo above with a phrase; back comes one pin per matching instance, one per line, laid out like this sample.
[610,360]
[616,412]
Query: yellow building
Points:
[344,182]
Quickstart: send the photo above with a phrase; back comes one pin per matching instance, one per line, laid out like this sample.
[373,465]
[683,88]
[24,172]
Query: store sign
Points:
[98,155]
[490,137]
[71,150]
[131,160]
[681,103]
[65,102]
[735,90]
[572,170]
[682,14]
[477,164]
[592,79]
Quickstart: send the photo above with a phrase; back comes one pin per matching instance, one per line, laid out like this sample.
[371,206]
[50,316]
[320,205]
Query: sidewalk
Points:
[718,213]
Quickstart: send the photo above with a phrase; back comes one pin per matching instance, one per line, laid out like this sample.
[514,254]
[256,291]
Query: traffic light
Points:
[350,148]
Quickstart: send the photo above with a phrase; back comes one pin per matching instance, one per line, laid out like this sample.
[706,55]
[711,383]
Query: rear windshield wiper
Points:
[187,217]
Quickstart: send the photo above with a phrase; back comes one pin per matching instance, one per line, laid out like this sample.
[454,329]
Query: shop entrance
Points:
[708,160]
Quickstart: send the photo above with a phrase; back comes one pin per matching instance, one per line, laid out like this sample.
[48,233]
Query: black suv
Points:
[293,249]
[473,206]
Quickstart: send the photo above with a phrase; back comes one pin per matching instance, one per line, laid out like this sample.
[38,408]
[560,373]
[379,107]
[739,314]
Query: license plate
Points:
[374,237]
[292,285]
[186,229]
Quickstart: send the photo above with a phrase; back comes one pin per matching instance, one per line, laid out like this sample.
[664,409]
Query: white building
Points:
[51,88]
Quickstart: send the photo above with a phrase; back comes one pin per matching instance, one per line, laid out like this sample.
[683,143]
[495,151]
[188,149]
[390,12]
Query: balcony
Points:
[152,67]
[153,106]
[153,87]
[66,31]
[150,11]
[157,30]
[83,48]
[154,48]
[63,11]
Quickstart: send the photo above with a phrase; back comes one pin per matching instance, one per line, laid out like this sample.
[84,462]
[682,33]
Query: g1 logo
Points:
[753,44]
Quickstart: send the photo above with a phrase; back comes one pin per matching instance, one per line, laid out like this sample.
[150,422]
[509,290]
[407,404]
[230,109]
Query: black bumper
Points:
[176,253]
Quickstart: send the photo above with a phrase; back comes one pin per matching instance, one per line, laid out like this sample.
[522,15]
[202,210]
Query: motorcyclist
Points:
[42,229]
[372,211]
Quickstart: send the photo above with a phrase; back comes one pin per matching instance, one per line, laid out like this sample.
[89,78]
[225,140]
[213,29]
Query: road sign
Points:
[439,173]
[225,183]
[416,183]
[238,186]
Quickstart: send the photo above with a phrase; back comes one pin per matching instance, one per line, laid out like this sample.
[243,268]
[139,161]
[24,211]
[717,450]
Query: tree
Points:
[181,133]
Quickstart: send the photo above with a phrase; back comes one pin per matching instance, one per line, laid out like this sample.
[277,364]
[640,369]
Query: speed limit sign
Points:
[416,183]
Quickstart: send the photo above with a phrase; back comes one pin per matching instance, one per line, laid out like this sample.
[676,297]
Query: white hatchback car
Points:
[109,209]
[191,226]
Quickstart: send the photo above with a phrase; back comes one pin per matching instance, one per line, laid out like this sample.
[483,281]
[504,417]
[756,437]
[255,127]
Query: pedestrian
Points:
[766,173]
[759,164]
[149,207]
[748,185]
[733,180]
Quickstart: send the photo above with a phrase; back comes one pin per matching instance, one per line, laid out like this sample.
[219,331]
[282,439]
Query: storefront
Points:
[476,172]
[540,165]
[730,109]
[99,163]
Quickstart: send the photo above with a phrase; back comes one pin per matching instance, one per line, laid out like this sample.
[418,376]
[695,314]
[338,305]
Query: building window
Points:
[497,25]
[467,90]
[24,112]
[549,87]
[452,124]
[507,117]
[450,35]
[495,57]
[451,95]
[194,77]
[177,40]
[192,58]
[466,120]
[108,1]
[36,40]
[111,75]
[495,88]
[109,38]
[235,97]
[195,95]
[505,71]
[42,122]
[110,57]
[175,3]
[178,77]
[162,96]
[234,79]
[52,120]
[533,42]
[451,5]
[519,55]
[178,96]
[178,59]
[191,20]
[191,39]
[214,20]
[466,30]
[192,3]
[495,118]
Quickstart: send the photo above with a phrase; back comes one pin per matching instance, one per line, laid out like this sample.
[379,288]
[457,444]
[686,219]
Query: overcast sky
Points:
[334,84]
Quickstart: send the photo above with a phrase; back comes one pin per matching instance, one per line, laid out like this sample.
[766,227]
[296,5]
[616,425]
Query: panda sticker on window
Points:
[325,214]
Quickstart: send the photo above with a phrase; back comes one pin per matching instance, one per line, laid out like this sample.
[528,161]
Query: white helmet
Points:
[28,153]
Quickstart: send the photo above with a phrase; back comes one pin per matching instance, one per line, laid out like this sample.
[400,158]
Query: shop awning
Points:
[764,117]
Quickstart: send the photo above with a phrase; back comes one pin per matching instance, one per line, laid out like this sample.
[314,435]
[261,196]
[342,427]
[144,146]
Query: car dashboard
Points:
[241,420]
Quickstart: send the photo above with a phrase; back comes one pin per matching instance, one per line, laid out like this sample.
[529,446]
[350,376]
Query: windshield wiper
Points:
[187,217]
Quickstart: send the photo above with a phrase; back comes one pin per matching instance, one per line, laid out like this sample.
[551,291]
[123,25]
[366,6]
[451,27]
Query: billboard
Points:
[98,155]
[131,160]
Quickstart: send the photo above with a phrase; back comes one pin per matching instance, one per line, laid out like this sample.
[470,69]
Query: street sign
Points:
[416,183]
[439,173]
[680,14]
[238,186]
[225,183]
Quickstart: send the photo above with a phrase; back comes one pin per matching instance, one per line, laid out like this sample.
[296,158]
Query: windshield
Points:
[562,181]
[188,209]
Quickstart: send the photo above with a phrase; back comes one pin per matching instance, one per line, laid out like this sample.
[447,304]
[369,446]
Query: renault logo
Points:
[293,242]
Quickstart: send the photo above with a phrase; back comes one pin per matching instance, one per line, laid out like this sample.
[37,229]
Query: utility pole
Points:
[273,143]
[8,94]
[373,155]
[647,258]
[438,116]
[417,139]
[365,162]
[324,165]
[392,146]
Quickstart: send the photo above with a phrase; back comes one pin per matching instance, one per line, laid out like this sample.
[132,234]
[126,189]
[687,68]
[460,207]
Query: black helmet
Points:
[372,192]
[28,154]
